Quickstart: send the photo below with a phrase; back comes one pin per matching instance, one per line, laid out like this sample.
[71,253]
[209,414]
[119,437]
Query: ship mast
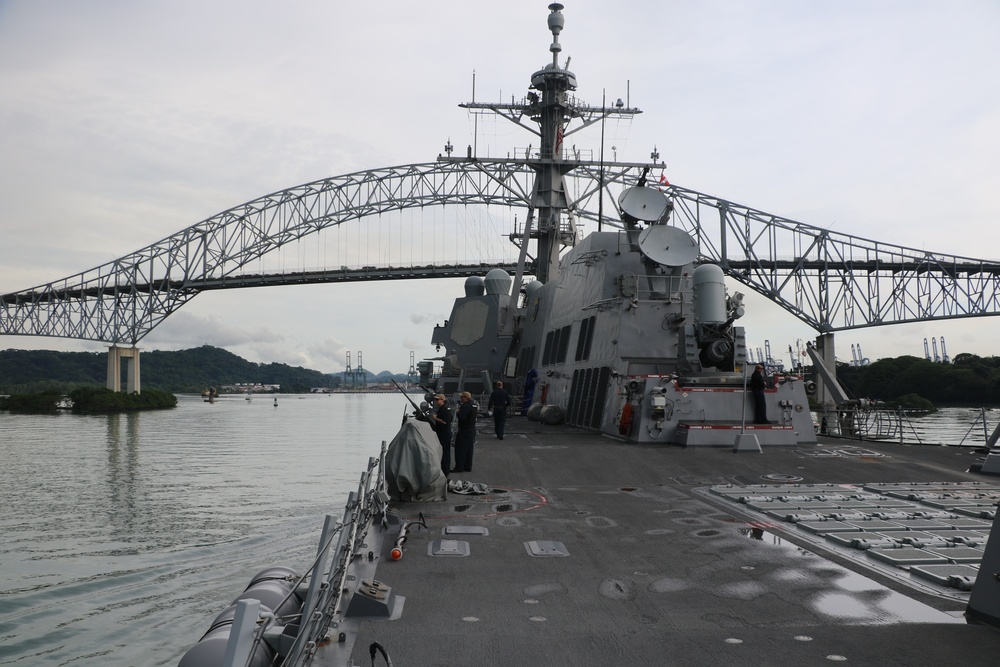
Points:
[552,109]
[549,195]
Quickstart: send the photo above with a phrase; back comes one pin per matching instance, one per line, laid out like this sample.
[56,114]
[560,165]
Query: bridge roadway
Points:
[909,266]
[377,273]
[342,275]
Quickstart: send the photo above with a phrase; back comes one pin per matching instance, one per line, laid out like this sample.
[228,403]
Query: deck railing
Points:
[899,425]
[325,581]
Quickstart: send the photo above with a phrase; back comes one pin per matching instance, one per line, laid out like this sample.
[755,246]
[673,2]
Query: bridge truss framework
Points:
[830,281]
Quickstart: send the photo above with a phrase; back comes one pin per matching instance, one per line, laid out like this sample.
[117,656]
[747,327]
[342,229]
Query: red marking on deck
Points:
[732,427]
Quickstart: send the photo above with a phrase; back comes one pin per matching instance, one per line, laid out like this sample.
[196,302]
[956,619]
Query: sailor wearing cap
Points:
[757,385]
[499,402]
[465,438]
[441,421]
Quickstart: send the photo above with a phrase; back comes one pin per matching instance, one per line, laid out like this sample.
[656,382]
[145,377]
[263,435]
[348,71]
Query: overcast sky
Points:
[124,121]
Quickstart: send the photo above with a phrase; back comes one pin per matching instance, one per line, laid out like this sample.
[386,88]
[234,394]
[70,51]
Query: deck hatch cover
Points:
[465,530]
[954,576]
[828,526]
[448,548]
[545,548]
[907,556]
[959,554]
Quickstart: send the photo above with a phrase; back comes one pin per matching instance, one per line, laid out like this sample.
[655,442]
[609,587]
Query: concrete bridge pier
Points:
[131,357]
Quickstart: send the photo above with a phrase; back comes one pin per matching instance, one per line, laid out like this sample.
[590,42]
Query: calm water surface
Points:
[124,535]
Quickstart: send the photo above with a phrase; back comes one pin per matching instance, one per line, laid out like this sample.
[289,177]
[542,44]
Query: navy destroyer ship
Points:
[635,514]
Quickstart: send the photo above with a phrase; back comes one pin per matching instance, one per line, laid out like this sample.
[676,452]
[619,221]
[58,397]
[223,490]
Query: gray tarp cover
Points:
[413,464]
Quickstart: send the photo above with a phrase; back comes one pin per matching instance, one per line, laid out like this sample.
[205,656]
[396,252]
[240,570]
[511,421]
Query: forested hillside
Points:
[182,371]
[968,381]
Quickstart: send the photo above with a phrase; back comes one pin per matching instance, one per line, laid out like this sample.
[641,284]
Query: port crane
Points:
[942,358]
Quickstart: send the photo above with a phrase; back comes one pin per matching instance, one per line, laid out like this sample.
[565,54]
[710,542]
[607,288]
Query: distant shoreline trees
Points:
[88,400]
[182,371]
[969,381]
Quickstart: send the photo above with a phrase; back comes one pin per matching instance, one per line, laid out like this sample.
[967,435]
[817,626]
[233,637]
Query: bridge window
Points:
[581,339]
[556,346]
[547,350]
[525,361]
[585,338]
[564,343]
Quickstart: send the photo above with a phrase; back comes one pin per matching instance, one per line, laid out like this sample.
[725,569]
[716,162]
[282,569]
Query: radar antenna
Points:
[552,113]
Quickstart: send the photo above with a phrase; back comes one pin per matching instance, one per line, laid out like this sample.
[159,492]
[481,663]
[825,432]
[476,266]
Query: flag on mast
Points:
[663,181]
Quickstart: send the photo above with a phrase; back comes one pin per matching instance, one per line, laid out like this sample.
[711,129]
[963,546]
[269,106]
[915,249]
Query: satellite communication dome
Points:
[498,282]
[475,286]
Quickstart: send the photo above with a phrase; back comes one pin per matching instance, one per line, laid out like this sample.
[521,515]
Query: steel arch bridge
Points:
[830,281]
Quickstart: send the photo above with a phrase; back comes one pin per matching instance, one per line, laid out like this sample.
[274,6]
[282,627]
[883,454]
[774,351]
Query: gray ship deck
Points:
[659,571]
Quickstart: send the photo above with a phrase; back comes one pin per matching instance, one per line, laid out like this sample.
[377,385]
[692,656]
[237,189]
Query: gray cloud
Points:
[185,329]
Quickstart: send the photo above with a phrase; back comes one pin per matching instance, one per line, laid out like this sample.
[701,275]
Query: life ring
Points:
[625,423]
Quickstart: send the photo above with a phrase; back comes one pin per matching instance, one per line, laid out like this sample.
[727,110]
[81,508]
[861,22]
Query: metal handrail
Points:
[325,591]
[362,506]
[885,424]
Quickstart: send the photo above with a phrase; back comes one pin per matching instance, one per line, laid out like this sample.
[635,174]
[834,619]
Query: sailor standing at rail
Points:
[757,385]
[441,421]
[465,438]
[499,402]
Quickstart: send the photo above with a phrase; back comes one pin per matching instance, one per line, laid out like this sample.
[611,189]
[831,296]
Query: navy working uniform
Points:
[499,402]
[465,438]
[757,388]
[442,426]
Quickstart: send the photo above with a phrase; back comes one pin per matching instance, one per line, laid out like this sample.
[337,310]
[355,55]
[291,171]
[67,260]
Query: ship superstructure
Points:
[627,331]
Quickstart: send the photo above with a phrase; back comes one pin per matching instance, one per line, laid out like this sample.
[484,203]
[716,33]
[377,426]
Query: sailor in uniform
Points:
[499,402]
[441,421]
